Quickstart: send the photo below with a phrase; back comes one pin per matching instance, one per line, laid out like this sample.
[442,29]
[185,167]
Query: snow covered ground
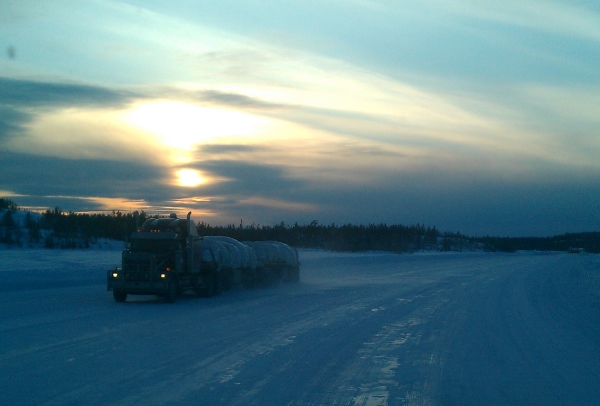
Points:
[364,329]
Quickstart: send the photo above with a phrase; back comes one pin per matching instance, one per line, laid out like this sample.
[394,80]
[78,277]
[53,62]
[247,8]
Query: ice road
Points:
[359,329]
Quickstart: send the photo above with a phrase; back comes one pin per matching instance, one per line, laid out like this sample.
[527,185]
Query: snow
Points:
[359,329]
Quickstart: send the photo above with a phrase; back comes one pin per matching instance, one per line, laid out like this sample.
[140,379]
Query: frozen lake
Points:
[360,329]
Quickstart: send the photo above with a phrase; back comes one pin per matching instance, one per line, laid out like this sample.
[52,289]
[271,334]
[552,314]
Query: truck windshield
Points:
[154,246]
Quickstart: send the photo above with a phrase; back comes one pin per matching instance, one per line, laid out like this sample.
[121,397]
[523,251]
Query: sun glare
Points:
[184,126]
[190,178]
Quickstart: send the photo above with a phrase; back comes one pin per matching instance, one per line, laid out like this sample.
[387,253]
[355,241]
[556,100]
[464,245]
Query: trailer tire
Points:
[172,292]
[119,295]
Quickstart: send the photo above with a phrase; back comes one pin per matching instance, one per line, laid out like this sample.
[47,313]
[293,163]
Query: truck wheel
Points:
[172,293]
[119,296]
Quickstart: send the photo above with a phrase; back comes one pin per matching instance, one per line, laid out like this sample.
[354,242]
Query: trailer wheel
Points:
[119,295]
[172,292]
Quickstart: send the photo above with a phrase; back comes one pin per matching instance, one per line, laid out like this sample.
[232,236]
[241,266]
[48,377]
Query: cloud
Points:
[248,179]
[11,121]
[265,202]
[318,161]
[25,93]
[92,185]
[248,190]
[476,204]
[452,200]
[559,17]
[47,176]
[225,149]
[22,101]
[236,100]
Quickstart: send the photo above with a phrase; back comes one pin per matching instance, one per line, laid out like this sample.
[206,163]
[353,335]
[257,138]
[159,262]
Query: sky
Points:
[475,116]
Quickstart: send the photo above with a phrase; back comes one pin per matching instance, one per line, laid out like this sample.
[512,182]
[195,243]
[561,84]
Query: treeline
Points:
[75,230]
[11,232]
[380,237]
[399,238]
[569,242]
[57,229]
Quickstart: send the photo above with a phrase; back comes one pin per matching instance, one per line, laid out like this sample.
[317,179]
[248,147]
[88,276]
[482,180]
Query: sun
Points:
[190,178]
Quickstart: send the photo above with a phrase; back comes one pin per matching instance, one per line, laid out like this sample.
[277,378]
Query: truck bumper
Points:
[136,287]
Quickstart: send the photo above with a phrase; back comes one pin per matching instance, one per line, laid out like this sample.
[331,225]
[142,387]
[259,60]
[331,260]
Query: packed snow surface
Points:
[359,329]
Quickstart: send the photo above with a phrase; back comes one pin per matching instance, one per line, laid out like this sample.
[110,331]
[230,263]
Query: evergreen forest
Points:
[55,228]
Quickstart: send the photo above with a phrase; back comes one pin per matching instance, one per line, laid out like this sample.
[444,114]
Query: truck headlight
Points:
[115,274]
[163,275]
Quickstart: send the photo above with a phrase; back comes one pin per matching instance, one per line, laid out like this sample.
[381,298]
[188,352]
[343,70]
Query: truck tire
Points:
[119,295]
[172,292]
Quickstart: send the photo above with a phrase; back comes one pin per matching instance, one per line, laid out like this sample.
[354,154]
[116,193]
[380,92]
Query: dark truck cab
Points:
[162,259]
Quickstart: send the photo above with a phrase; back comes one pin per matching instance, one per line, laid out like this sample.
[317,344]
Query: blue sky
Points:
[480,117]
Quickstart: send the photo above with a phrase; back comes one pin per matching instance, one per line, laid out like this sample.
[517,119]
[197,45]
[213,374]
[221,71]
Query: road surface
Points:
[360,329]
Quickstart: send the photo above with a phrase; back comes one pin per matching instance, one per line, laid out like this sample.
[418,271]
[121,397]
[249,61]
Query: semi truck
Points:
[166,257]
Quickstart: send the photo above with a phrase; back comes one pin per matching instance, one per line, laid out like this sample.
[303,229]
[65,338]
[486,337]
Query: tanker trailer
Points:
[226,261]
[247,259]
[290,262]
[276,261]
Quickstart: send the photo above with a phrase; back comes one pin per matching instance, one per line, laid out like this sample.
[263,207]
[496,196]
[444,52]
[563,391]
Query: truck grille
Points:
[138,267]
[137,276]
